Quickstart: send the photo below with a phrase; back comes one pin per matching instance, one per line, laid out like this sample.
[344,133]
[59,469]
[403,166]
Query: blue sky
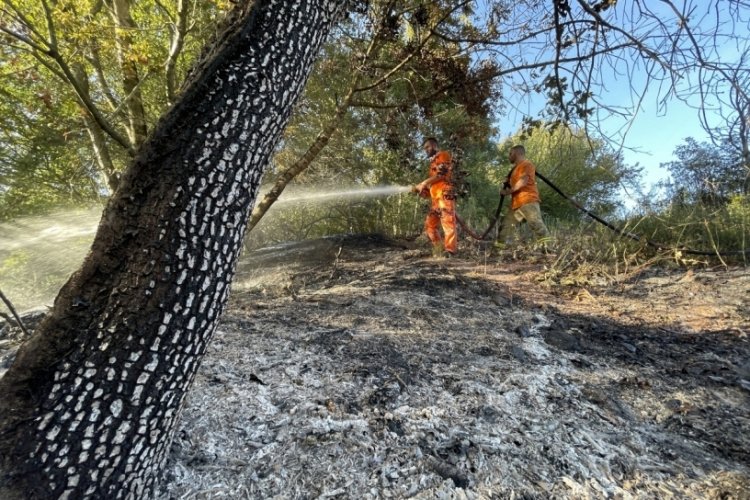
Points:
[651,138]
[659,125]
[656,135]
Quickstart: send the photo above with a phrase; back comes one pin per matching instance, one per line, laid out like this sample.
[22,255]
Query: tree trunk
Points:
[179,31]
[96,135]
[137,128]
[101,151]
[89,407]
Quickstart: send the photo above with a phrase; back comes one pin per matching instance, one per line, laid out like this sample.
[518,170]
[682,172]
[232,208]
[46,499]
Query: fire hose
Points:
[483,236]
[635,237]
[615,229]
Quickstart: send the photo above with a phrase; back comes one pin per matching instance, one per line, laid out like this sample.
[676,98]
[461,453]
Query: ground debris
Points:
[12,336]
[411,378]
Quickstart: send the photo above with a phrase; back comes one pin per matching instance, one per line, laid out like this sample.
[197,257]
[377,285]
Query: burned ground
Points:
[360,368]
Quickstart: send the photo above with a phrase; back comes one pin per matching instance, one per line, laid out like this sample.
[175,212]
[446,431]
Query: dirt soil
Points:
[362,368]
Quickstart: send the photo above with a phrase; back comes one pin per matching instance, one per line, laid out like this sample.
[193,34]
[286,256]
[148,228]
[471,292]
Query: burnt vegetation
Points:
[421,378]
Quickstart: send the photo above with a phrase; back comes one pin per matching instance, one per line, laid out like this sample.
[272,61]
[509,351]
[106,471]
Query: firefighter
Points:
[439,187]
[521,186]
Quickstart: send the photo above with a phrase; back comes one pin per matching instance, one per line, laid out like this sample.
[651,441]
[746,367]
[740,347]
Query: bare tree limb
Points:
[179,31]
[12,310]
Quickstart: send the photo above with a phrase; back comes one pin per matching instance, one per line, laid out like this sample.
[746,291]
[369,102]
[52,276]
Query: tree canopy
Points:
[84,82]
[706,173]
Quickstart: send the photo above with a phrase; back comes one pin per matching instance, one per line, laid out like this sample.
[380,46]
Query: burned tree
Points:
[89,406]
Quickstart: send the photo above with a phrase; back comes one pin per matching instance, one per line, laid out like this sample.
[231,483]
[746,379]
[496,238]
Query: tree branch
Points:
[413,53]
[12,310]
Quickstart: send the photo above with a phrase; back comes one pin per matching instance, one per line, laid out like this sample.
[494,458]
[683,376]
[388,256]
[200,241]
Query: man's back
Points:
[528,193]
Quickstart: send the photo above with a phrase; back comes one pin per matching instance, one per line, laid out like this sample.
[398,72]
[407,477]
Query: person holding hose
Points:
[439,187]
[521,187]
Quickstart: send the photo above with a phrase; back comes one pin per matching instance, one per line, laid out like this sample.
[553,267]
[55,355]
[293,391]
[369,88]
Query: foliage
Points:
[363,159]
[698,226]
[394,67]
[71,72]
[399,70]
[705,174]
[400,83]
[703,207]
[586,253]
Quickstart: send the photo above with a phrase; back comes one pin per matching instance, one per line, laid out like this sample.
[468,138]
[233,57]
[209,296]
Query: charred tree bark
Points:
[89,407]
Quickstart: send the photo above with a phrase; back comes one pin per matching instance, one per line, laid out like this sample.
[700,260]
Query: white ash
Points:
[380,374]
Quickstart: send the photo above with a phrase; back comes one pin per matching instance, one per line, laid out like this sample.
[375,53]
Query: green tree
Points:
[42,166]
[111,67]
[393,61]
[96,73]
[704,206]
[705,173]
[382,148]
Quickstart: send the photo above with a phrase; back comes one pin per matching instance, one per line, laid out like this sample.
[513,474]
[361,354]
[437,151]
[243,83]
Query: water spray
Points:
[346,194]
[37,254]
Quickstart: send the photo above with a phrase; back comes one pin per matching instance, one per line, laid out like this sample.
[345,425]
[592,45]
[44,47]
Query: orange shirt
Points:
[441,164]
[529,193]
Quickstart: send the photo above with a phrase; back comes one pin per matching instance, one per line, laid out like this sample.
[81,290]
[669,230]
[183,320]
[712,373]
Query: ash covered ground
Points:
[361,368]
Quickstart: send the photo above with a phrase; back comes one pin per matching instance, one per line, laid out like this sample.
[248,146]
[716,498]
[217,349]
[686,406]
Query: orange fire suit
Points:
[524,205]
[529,193]
[443,208]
